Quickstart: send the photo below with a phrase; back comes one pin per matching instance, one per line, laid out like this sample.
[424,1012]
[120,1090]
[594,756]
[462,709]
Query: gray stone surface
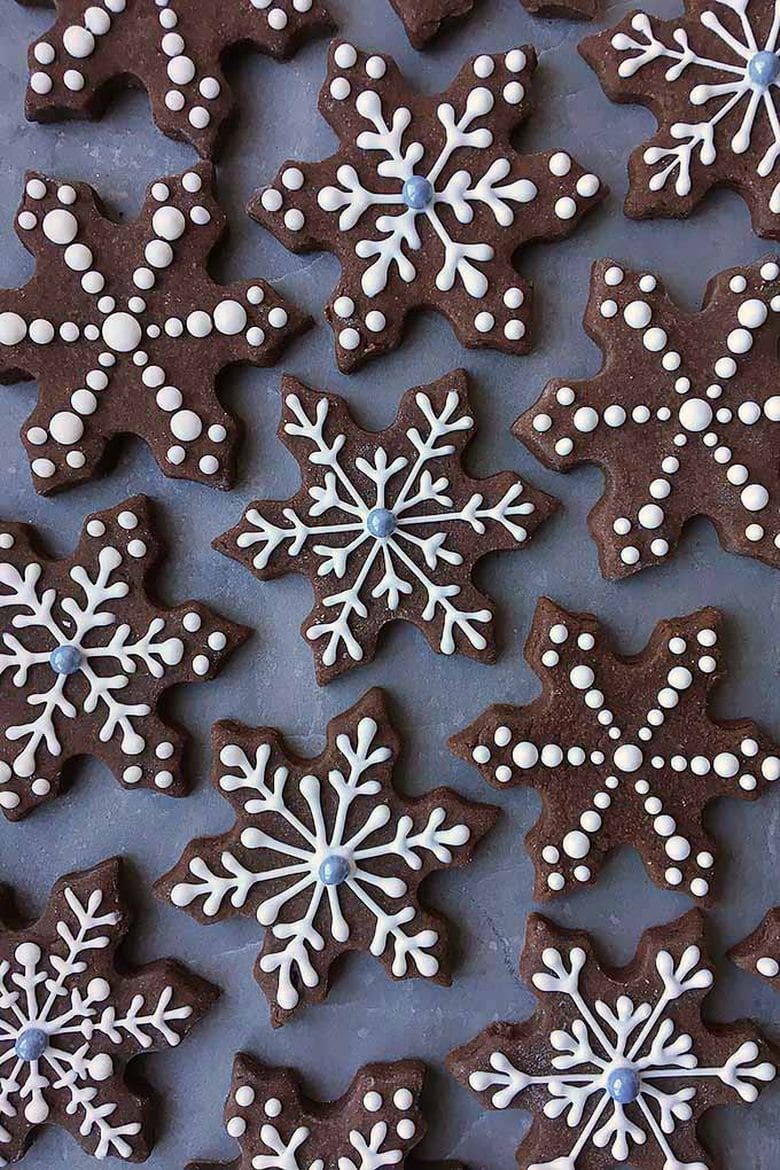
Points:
[271,680]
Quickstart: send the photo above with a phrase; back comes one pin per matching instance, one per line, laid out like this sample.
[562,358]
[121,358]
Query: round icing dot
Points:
[345,56]
[560,164]
[66,427]
[484,322]
[236,1127]
[680,678]
[513,93]
[60,226]
[186,425]
[192,622]
[122,332]
[628,757]
[576,844]
[372,1102]
[678,848]
[168,223]
[484,66]
[200,664]
[768,967]
[230,317]
[245,1096]
[754,497]
[637,314]
[558,634]
[565,207]
[78,41]
[403,1100]
[770,768]
[585,419]
[624,1084]
[556,881]
[525,754]
[349,339]
[588,185]
[340,89]
[700,888]
[515,60]
[614,416]
[65,659]
[294,219]
[695,414]
[277,318]
[673,875]
[581,677]
[726,765]
[271,200]
[12,329]
[40,83]
[651,516]
[334,870]
[273,1107]
[609,309]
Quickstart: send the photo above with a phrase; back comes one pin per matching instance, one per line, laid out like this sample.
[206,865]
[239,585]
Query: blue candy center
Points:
[65,659]
[381,523]
[334,869]
[417,192]
[31,1044]
[623,1085]
[763,67]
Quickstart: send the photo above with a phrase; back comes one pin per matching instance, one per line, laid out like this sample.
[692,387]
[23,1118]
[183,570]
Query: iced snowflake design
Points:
[711,78]
[683,416]
[387,526]
[169,47]
[85,655]
[616,1065]
[759,953]
[69,1023]
[125,331]
[375,1124]
[622,750]
[326,854]
[426,201]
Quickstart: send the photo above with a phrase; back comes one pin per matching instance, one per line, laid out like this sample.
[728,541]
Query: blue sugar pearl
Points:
[623,1085]
[417,193]
[381,523]
[65,659]
[31,1044]
[763,67]
[334,870]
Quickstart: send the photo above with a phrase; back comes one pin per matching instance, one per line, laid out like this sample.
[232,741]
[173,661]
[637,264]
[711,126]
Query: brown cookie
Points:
[386,525]
[565,9]
[711,79]
[423,19]
[623,750]
[759,954]
[86,655]
[376,1123]
[682,417]
[617,1064]
[71,1021]
[426,202]
[173,49]
[125,331]
[327,855]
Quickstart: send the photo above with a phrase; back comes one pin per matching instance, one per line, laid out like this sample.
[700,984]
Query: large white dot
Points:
[576,844]
[230,317]
[695,414]
[60,226]
[754,497]
[628,757]
[122,333]
[582,677]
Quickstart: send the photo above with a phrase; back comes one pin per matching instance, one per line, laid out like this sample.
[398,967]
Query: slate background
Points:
[271,679]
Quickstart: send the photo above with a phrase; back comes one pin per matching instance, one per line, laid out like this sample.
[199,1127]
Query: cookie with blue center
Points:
[86,655]
[616,1065]
[173,49]
[711,77]
[426,201]
[71,1022]
[327,855]
[387,526]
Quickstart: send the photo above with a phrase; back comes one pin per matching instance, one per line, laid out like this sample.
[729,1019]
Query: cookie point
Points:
[31,1044]
[417,192]
[65,659]
[623,1085]
[334,870]
[381,523]
[763,67]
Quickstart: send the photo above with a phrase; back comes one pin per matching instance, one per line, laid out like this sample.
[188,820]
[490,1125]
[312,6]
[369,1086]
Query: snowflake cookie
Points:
[711,79]
[617,1065]
[125,331]
[426,201]
[376,1123]
[623,750]
[326,854]
[760,952]
[387,525]
[86,654]
[70,1022]
[173,49]
[682,417]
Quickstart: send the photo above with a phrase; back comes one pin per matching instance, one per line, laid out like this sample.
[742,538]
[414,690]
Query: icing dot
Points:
[560,164]
[60,226]
[576,844]
[628,757]
[372,1102]
[565,207]
[768,967]
[403,1099]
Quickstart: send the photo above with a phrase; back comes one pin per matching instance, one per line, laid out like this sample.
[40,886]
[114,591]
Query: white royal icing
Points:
[293,858]
[414,488]
[730,87]
[642,1038]
[83,1019]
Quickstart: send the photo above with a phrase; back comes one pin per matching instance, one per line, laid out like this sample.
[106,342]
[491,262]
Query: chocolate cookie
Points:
[426,202]
[86,655]
[759,954]
[375,1123]
[711,79]
[682,417]
[173,49]
[327,855]
[386,525]
[70,1022]
[125,331]
[616,1064]
[623,750]
[423,19]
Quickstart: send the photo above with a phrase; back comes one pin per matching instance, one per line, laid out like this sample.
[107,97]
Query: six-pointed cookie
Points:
[683,417]
[617,1064]
[86,654]
[426,201]
[327,855]
[387,525]
[71,1020]
[174,49]
[711,77]
[759,953]
[623,750]
[125,331]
